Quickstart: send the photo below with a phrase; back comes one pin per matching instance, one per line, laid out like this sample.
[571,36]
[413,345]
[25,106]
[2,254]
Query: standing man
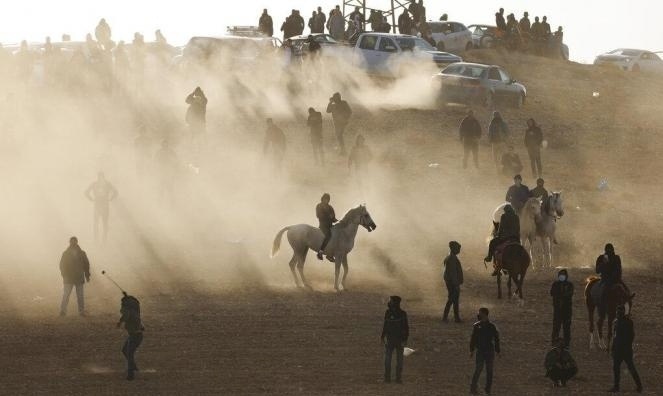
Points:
[265,24]
[533,142]
[321,20]
[539,191]
[453,278]
[312,23]
[314,123]
[524,23]
[101,193]
[486,341]
[360,156]
[622,349]
[470,133]
[197,112]
[518,194]
[405,22]
[395,332]
[326,219]
[275,138]
[75,270]
[336,24]
[498,133]
[130,310]
[561,292]
[341,112]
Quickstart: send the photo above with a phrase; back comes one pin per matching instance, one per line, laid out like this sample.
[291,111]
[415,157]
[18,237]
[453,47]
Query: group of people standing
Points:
[538,33]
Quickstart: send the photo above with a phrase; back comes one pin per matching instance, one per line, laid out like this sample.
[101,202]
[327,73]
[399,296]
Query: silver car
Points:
[478,84]
[632,60]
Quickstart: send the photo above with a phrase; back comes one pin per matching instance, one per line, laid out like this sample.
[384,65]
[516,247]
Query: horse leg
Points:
[590,311]
[345,271]
[600,328]
[508,283]
[549,246]
[293,262]
[337,270]
[499,284]
[611,319]
[300,269]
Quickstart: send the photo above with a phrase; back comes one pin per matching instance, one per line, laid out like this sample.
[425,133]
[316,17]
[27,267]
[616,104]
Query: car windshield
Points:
[471,71]
[625,52]
[409,43]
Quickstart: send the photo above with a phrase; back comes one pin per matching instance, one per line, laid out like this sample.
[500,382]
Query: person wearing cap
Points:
[470,133]
[622,349]
[539,191]
[75,270]
[498,133]
[326,218]
[265,24]
[395,332]
[341,112]
[518,194]
[485,341]
[561,292]
[559,364]
[453,278]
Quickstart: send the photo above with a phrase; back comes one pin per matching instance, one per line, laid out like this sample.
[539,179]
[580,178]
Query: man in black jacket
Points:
[395,332]
[405,22]
[622,349]
[533,142]
[539,191]
[518,194]
[265,24]
[470,133]
[326,219]
[314,123]
[75,270]
[341,112]
[562,296]
[453,278]
[509,230]
[486,342]
[130,310]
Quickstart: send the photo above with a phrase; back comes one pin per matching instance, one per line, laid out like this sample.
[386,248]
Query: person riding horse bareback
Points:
[326,217]
[518,194]
[508,233]
[609,266]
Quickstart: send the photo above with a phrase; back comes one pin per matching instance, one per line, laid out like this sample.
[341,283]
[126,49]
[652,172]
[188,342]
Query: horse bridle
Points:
[550,210]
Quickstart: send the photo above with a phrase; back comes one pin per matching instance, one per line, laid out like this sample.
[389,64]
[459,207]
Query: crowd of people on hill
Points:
[523,34]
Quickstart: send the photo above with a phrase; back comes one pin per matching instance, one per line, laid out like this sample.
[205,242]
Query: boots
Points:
[320,253]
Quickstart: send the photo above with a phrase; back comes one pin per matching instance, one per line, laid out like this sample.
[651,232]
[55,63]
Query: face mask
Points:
[562,278]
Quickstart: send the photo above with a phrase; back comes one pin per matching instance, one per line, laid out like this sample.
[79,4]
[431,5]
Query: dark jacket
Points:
[559,359]
[314,122]
[509,226]
[609,267]
[197,110]
[395,328]
[470,131]
[533,138]
[340,112]
[485,338]
[623,335]
[325,214]
[404,24]
[517,196]
[453,272]
[562,296]
[539,192]
[266,25]
[74,266]
[130,312]
[498,130]
[525,25]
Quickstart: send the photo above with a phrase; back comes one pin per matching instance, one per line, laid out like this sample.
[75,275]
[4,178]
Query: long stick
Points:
[115,283]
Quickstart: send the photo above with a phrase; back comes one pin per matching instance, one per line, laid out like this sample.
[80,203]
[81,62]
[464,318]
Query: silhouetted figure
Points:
[470,133]
[341,112]
[314,123]
[312,23]
[511,163]
[360,156]
[500,22]
[559,364]
[168,170]
[336,24]
[274,138]
[130,311]
[421,10]
[509,230]
[320,21]
[356,24]
[622,349]
[75,270]
[103,34]
[561,292]
[444,18]
[293,25]
[498,135]
[524,23]
[533,142]
[101,193]
[265,24]
[326,219]
[485,341]
[539,191]
[160,38]
[518,194]
[453,278]
[395,332]
[405,23]
[536,32]
[197,112]
[545,28]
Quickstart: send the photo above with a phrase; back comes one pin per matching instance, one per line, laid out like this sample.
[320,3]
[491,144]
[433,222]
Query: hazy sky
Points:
[591,26]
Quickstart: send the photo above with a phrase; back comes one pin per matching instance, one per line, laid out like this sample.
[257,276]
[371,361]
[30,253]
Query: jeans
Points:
[535,161]
[483,358]
[562,321]
[498,151]
[471,148]
[79,298]
[129,349]
[318,151]
[328,234]
[452,299]
[627,357]
[339,128]
[388,351]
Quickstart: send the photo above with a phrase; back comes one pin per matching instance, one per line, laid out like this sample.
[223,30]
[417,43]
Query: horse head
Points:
[532,208]
[555,204]
[365,219]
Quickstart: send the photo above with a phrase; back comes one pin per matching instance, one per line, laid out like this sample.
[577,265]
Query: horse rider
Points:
[326,218]
[609,266]
[518,194]
[509,230]
[539,191]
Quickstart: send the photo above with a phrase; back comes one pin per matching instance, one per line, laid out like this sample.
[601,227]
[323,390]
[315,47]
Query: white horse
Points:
[303,237]
[527,216]
[546,224]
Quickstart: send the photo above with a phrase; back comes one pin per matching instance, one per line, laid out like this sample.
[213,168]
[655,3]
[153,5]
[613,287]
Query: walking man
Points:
[275,138]
[341,112]
[196,113]
[622,349]
[533,142]
[561,292]
[75,270]
[453,278]
[101,193]
[470,133]
[130,310]
[326,219]
[486,342]
[314,123]
[395,332]
[498,133]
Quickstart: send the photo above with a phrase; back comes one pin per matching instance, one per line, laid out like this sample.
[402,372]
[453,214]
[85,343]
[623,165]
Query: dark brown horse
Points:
[515,261]
[615,295]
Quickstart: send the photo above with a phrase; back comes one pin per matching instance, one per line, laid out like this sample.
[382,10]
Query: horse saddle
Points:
[499,250]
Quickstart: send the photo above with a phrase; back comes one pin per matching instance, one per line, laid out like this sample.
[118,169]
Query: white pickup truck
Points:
[388,54]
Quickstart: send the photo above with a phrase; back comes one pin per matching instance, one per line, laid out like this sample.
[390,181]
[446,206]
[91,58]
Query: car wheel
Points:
[635,68]
[440,45]
[469,46]
[486,42]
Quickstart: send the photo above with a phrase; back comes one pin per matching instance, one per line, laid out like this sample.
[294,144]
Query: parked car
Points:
[387,53]
[482,35]
[632,60]
[475,83]
[451,36]
[231,50]
[328,45]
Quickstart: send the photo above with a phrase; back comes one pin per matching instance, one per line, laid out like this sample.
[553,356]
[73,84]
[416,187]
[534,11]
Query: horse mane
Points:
[345,221]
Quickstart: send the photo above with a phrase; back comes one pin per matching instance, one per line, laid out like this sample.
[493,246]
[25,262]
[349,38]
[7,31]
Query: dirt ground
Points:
[222,318]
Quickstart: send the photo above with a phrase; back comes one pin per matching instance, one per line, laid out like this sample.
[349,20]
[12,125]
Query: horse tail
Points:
[276,246]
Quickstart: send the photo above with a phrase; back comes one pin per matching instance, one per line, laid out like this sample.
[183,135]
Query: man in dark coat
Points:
[485,341]
[197,112]
[509,230]
[609,266]
[559,364]
[524,23]
[498,133]
[75,270]
[622,349]
[545,28]
[314,123]
[470,133]
[518,194]
[321,20]
[453,278]
[275,138]
[539,191]
[395,332]
[326,219]
[130,310]
[101,193]
[533,142]
[341,112]
[500,22]
[265,24]
[561,292]
[405,23]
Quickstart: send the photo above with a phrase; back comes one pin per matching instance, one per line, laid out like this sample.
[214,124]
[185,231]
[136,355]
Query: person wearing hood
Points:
[609,266]
[509,230]
[395,332]
[561,292]
[559,364]
[498,133]
[453,278]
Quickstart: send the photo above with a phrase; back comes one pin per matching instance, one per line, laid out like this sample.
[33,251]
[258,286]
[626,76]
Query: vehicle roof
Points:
[430,22]
[628,49]
[305,36]
[480,25]
[474,64]
[225,38]
[390,35]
